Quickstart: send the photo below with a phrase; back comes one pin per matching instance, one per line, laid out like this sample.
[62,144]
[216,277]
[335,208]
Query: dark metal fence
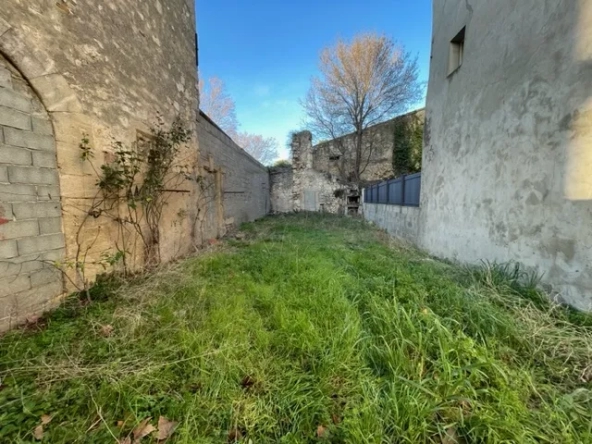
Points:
[404,191]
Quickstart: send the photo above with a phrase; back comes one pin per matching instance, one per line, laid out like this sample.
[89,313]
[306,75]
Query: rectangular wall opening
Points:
[457,50]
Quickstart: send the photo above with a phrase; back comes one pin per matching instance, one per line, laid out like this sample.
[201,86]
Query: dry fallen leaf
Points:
[450,436]
[106,330]
[38,433]
[165,428]
[46,419]
[143,429]
[126,440]
[321,431]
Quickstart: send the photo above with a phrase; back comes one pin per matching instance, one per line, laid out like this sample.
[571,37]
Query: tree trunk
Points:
[358,159]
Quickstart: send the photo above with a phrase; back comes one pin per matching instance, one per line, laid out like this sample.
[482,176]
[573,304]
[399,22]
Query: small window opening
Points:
[334,157]
[457,50]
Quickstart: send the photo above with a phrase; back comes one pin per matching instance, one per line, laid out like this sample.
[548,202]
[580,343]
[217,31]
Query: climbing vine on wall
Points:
[408,145]
[132,190]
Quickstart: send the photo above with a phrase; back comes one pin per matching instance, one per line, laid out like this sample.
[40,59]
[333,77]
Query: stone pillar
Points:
[301,164]
[302,150]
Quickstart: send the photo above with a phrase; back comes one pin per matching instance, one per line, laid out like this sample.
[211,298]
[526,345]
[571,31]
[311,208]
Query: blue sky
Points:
[267,50]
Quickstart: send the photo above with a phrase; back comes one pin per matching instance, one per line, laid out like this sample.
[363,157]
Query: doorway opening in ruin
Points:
[353,203]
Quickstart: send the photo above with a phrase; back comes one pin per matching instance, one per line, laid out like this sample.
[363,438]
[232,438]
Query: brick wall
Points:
[236,185]
[30,211]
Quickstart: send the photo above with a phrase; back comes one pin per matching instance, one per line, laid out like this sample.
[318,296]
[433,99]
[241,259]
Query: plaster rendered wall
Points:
[400,222]
[379,138]
[507,157]
[243,187]
[31,235]
[106,71]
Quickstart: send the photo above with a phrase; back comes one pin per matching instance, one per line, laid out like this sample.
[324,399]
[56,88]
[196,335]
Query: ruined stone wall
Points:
[281,182]
[236,186]
[31,235]
[507,159]
[314,190]
[337,156]
[104,71]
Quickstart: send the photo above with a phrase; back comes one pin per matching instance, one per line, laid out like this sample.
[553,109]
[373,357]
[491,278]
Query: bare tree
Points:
[218,105]
[265,150]
[361,84]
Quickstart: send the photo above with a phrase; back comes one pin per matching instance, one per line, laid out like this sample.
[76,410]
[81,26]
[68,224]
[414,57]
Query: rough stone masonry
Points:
[319,178]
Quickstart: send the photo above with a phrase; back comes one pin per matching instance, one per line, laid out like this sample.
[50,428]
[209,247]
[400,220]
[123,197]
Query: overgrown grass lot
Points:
[308,329]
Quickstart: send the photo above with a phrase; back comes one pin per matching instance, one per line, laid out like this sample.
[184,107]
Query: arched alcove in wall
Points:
[31,236]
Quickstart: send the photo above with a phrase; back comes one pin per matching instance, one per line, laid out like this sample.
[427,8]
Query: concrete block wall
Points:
[240,182]
[31,237]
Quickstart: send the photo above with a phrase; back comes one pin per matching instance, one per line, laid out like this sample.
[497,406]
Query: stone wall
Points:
[320,177]
[314,190]
[507,157]
[281,182]
[31,235]
[236,186]
[105,71]
[337,156]
[399,221]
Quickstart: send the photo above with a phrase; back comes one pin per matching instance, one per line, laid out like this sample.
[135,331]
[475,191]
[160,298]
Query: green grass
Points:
[308,326]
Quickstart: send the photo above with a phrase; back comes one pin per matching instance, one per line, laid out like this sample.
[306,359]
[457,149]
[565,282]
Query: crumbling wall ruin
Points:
[301,188]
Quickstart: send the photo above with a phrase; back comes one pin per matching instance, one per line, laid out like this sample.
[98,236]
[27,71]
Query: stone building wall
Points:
[507,158]
[337,156]
[281,181]
[235,186]
[31,235]
[301,188]
[105,71]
